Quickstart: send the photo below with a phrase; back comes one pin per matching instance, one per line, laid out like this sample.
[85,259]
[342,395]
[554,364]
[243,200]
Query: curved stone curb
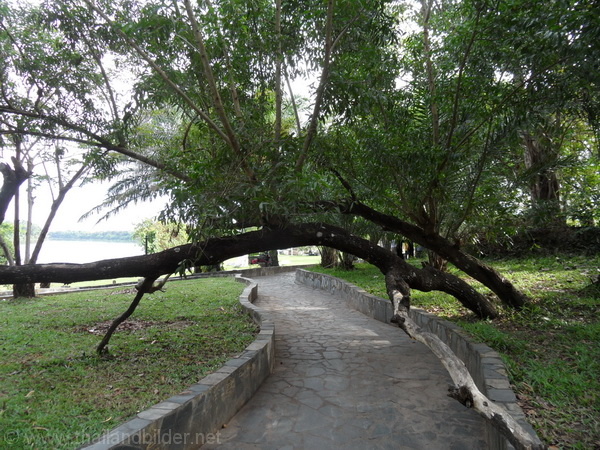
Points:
[195,416]
[484,364]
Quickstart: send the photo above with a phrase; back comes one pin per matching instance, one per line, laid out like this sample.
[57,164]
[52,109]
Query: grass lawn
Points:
[56,393]
[551,347]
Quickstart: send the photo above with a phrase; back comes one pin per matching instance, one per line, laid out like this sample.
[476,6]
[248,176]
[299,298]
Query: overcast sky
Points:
[78,201]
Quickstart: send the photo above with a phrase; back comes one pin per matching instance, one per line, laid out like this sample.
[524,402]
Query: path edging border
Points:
[484,363]
[195,416]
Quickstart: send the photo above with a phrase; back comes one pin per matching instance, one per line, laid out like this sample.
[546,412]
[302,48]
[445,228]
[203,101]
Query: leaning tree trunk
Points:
[401,277]
[483,273]
[144,287]
[12,180]
[215,250]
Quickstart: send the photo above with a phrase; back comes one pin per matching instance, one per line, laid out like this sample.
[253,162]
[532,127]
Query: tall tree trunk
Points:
[544,185]
[346,260]
[274,258]
[328,257]
[29,225]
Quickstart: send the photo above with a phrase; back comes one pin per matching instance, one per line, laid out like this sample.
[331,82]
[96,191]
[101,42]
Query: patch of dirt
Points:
[124,291]
[133,325]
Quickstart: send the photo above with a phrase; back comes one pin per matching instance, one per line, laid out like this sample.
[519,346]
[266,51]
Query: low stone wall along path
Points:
[346,381]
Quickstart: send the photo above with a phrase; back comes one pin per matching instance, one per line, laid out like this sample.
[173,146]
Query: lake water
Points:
[89,251]
[86,251]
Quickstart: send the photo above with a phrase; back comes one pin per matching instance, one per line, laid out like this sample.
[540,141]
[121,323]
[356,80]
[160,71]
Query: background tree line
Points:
[91,235]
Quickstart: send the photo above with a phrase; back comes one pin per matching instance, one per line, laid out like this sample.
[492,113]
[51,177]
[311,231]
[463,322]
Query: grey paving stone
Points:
[344,380]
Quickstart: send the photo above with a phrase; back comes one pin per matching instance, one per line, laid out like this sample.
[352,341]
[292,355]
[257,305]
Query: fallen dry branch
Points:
[144,287]
[465,390]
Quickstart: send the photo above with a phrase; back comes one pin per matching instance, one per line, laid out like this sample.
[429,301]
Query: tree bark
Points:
[13,178]
[6,251]
[544,185]
[215,250]
[24,290]
[483,273]
[274,255]
[346,260]
[328,257]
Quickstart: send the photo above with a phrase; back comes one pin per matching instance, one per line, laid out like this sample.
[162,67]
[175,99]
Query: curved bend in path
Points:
[346,381]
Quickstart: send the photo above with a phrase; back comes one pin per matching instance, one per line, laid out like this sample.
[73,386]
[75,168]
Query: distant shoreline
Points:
[112,236]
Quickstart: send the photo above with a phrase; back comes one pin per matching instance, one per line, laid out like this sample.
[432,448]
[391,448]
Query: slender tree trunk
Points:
[29,228]
[426,6]
[278,66]
[314,119]
[146,286]
[54,210]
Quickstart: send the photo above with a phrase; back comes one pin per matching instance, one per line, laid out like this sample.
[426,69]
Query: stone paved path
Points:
[345,381]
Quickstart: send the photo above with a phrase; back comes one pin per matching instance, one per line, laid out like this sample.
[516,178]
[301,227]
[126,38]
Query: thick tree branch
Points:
[96,140]
[215,250]
[483,273]
[12,179]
